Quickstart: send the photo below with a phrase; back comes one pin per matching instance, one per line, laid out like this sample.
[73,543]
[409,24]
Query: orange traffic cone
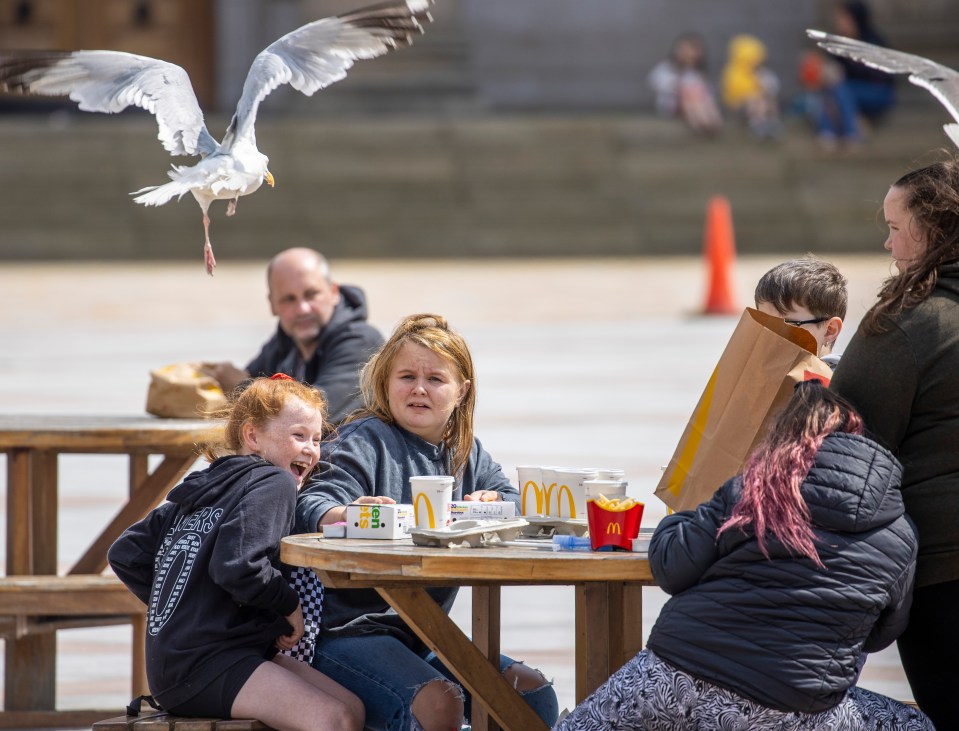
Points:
[720,250]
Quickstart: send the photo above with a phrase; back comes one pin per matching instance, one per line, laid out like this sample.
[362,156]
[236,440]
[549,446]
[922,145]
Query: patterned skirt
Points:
[649,694]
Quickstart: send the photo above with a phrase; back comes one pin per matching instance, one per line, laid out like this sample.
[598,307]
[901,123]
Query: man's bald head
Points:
[302,295]
[298,258]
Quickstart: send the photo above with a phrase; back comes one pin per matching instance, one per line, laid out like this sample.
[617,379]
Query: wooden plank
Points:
[66,595]
[195,724]
[117,723]
[238,724]
[632,622]
[487,610]
[30,677]
[579,643]
[150,494]
[484,682]
[50,719]
[45,625]
[104,434]
[156,722]
[19,555]
[30,661]
[499,565]
[138,470]
[593,633]
[43,497]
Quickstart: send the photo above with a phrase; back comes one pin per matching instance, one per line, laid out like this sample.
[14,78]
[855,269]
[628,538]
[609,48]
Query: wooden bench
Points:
[169,722]
[40,605]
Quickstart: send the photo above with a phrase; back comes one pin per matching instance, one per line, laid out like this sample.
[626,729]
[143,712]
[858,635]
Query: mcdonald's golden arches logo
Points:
[429,509]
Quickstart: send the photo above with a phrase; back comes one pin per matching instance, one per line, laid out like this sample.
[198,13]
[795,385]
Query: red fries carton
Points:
[613,527]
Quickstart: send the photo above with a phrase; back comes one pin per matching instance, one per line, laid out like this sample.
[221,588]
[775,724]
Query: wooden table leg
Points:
[139,470]
[486,636]
[143,499]
[30,662]
[592,637]
[609,631]
[632,623]
[484,682]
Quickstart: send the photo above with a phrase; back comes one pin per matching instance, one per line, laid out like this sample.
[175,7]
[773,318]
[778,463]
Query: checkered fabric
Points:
[310,591]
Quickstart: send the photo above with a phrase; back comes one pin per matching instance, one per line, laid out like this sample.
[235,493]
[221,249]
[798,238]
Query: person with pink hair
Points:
[780,583]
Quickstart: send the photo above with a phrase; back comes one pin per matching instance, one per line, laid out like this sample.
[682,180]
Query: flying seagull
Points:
[309,58]
[941,81]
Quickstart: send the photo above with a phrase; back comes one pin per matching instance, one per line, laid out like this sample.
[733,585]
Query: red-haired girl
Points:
[207,565]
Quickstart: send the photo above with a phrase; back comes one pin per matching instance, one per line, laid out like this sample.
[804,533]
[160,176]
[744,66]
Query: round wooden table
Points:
[608,608]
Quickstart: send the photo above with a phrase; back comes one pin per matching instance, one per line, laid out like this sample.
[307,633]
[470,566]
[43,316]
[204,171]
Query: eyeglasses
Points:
[799,323]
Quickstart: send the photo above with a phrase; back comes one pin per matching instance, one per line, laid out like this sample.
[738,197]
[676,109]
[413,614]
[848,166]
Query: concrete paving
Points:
[580,362]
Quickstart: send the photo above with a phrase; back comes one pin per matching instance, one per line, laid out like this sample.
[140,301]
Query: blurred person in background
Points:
[681,87]
[750,88]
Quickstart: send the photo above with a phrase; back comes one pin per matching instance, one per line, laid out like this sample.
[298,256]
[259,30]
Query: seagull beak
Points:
[269,178]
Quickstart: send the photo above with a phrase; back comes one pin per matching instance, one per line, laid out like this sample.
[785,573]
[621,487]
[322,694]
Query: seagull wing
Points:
[941,81]
[110,81]
[318,54]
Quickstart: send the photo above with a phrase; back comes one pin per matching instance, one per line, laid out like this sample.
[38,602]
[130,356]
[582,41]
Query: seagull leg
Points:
[231,206]
[208,247]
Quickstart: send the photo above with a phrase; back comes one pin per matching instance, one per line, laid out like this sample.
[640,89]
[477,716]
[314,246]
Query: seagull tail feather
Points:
[953,131]
[157,195]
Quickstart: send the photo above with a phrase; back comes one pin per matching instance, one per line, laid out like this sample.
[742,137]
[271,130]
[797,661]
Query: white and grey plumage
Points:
[941,81]
[309,58]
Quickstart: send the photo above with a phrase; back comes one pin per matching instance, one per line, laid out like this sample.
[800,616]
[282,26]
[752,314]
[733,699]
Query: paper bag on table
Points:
[183,390]
[763,361]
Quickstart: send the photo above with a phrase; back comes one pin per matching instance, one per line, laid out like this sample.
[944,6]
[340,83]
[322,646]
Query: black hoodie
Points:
[207,564]
[780,630]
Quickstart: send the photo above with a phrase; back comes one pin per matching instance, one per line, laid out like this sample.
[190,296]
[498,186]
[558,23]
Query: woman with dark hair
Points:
[780,582]
[900,371]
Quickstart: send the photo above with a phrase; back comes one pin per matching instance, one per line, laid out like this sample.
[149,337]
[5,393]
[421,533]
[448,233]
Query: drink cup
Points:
[607,488]
[432,495]
[565,496]
[531,492]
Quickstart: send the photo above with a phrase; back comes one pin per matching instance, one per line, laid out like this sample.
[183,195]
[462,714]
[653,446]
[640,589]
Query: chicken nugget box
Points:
[378,521]
[476,510]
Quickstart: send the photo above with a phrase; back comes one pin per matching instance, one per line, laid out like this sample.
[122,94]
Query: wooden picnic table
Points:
[33,444]
[608,606]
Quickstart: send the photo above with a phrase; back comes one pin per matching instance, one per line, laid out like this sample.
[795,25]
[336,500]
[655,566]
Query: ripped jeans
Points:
[386,675]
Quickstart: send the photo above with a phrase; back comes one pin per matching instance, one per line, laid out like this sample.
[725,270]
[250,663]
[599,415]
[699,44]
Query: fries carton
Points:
[475,510]
[610,526]
[378,521]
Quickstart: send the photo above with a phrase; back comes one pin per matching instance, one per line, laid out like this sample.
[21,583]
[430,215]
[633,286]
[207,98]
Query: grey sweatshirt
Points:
[370,457]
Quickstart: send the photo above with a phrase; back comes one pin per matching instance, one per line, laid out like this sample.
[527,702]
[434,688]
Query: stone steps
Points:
[613,184]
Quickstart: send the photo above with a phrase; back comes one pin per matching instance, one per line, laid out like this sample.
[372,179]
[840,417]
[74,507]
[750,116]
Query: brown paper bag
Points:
[183,390]
[763,360]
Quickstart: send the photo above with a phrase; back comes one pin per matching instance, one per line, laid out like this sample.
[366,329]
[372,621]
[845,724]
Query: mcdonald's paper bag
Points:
[755,376]
[183,390]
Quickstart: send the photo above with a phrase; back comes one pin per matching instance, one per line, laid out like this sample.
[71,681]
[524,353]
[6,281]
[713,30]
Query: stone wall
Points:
[477,186]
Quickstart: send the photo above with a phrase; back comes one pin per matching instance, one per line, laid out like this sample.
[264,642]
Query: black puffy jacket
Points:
[782,631]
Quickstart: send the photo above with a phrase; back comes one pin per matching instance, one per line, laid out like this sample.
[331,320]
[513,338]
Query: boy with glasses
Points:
[809,293]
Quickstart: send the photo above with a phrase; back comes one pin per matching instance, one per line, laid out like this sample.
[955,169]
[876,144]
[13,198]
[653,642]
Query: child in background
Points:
[750,88]
[207,565]
[779,583]
[808,293]
[681,88]
[828,103]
